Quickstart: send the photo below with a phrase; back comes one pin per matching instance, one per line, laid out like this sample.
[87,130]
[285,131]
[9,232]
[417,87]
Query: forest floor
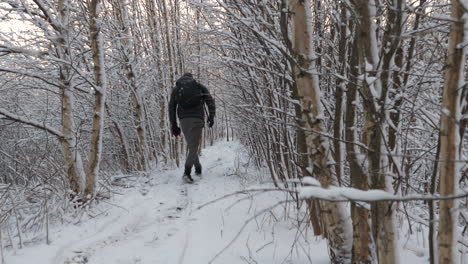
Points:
[158,221]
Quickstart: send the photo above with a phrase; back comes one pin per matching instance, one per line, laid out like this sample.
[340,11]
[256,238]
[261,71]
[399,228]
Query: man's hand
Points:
[175,130]
[210,121]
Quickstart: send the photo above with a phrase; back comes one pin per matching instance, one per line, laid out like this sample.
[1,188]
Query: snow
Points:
[334,193]
[310,181]
[445,111]
[159,223]
[164,221]
[13,49]
[343,193]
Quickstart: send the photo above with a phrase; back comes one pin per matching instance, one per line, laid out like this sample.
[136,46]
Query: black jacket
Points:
[197,112]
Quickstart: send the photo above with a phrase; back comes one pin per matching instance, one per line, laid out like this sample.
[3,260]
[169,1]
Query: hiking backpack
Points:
[189,94]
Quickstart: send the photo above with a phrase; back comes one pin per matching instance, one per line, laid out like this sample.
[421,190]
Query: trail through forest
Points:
[368,97]
[158,221]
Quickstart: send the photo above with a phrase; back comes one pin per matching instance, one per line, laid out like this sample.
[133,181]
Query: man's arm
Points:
[173,108]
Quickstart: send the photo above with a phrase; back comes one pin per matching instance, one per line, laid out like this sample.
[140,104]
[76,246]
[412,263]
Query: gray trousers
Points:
[192,129]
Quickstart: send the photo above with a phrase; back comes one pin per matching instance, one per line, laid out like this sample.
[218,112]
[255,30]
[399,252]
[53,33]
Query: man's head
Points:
[188,74]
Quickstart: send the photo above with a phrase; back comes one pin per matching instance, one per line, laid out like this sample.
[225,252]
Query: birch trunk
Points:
[363,250]
[391,80]
[71,154]
[374,92]
[338,122]
[100,95]
[384,212]
[336,221]
[300,135]
[449,137]
[75,168]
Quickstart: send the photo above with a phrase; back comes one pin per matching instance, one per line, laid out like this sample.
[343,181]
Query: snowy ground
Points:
[159,223]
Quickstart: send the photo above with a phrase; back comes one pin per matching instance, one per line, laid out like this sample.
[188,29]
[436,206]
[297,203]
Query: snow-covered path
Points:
[160,223]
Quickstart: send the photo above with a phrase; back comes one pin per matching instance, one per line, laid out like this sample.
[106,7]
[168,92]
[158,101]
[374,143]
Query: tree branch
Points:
[32,123]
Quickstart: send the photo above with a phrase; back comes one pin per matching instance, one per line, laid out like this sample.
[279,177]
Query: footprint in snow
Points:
[78,259]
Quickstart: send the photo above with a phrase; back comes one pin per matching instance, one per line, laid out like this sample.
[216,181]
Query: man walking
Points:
[188,100]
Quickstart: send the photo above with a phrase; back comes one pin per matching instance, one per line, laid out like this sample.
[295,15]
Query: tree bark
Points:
[363,250]
[75,168]
[449,137]
[301,145]
[431,204]
[338,122]
[100,97]
[334,217]
[374,93]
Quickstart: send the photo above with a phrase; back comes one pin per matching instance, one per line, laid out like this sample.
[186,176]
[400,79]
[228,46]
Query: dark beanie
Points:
[187,74]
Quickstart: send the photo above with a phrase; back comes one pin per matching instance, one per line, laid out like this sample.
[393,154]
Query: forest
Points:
[355,111]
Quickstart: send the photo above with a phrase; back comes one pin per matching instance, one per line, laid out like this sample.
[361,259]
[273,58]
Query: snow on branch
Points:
[258,34]
[48,15]
[31,75]
[7,49]
[311,189]
[79,72]
[351,194]
[33,123]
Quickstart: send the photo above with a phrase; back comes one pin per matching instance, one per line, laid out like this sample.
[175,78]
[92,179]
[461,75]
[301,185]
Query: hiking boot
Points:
[186,177]
[198,169]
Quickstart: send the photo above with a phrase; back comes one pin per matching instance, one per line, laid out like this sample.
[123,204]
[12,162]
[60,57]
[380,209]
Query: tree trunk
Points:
[100,95]
[391,55]
[400,84]
[374,92]
[338,122]
[303,161]
[363,250]
[72,155]
[432,223]
[334,217]
[75,168]
[124,145]
[449,137]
